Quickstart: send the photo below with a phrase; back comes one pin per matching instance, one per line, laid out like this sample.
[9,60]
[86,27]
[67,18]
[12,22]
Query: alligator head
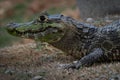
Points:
[41,28]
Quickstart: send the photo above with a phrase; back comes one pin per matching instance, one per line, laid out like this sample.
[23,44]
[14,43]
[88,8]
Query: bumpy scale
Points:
[84,41]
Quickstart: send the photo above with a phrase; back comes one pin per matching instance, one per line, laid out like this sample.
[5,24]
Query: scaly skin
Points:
[84,41]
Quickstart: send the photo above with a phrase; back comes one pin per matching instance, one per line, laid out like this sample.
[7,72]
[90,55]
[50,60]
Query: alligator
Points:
[87,43]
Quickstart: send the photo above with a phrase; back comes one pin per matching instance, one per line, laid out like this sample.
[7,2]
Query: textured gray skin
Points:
[88,43]
[93,44]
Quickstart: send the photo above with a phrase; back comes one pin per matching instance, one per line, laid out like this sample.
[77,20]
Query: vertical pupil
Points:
[42,18]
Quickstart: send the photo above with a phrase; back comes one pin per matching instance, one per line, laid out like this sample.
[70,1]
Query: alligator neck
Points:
[74,40]
[69,42]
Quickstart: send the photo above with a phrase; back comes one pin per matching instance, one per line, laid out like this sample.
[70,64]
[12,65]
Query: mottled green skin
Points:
[36,30]
[84,41]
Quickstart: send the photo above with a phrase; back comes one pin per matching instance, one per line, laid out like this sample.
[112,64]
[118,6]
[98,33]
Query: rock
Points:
[9,71]
[89,20]
[38,78]
[107,19]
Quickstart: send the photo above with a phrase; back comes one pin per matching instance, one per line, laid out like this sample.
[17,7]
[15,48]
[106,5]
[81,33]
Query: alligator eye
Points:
[42,18]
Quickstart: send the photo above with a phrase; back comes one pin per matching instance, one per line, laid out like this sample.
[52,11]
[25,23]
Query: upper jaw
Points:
[54,18]
[14,25]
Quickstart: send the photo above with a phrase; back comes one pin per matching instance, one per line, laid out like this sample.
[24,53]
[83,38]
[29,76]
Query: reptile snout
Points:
[12,25]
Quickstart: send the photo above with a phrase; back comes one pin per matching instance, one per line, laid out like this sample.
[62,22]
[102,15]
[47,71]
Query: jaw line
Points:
[39,30]
[13,27]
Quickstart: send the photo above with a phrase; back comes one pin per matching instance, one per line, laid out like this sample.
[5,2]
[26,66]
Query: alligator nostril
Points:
[42,18]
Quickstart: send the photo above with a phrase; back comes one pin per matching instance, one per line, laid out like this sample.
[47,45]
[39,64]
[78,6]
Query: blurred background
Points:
[26,10]
[23,61]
